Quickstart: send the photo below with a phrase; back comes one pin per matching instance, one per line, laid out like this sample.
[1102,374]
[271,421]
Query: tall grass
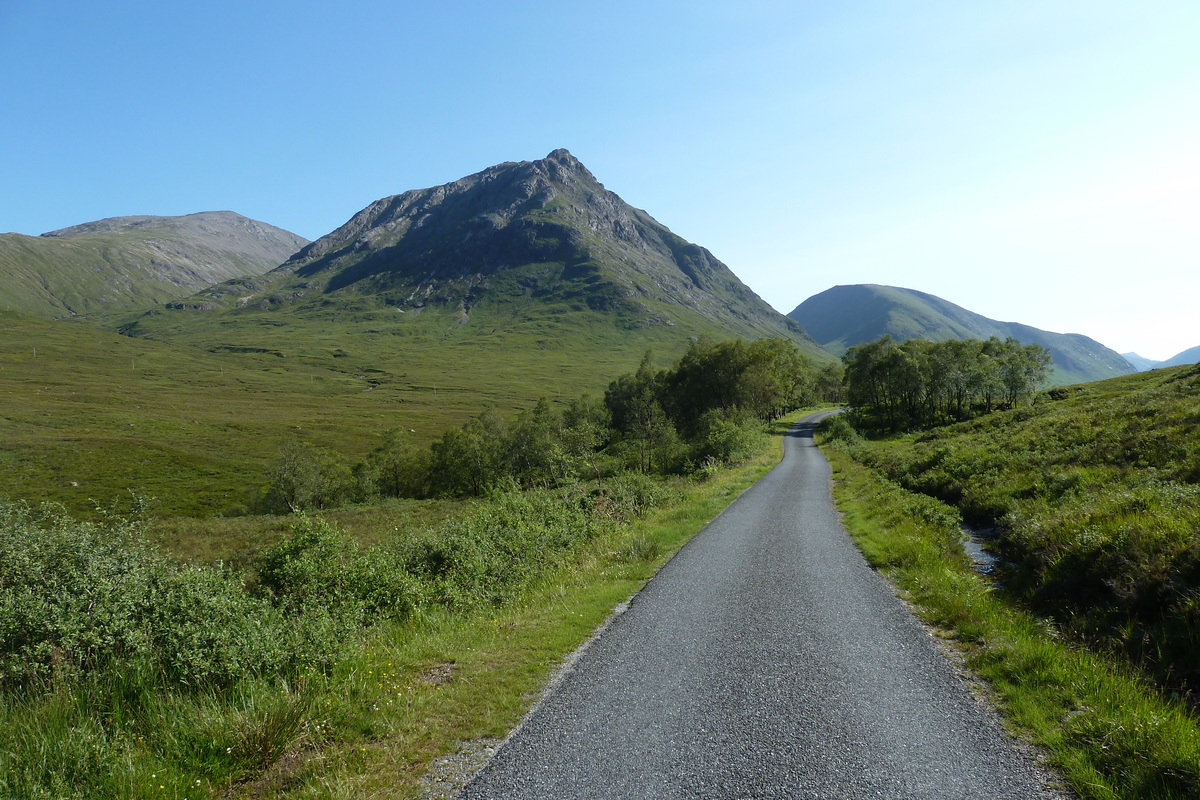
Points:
[1095,495]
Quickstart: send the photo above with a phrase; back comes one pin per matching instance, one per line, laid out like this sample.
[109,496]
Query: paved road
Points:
[766,660]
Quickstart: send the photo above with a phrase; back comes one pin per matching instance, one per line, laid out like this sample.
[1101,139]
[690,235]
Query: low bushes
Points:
[126,674]
[76,597]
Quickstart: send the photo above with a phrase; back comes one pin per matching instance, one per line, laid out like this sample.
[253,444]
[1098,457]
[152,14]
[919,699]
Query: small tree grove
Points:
[918,383]
[710,407]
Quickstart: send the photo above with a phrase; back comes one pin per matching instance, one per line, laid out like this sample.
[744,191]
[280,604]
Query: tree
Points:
[306,477]
[1023,370]
[586,429]
[468,459]
[534,451]
[397,468]
[921,383]
[828,384]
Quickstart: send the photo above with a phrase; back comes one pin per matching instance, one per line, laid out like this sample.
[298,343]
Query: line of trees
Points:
[919,383]
[710,407]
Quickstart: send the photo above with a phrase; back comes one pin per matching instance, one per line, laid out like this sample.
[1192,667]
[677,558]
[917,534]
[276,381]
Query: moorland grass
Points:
[88,416]
[1110,731]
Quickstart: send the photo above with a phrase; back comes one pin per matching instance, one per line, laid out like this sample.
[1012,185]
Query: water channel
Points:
[975,544]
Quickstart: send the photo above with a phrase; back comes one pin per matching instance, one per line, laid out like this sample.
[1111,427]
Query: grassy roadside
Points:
[217,693]
[1110,732]
[419,693]
[326,670]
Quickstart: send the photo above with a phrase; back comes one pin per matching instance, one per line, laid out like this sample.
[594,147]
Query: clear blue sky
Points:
[1031,160]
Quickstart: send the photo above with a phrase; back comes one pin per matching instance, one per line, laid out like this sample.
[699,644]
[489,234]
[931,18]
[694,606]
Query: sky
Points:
[1034,161]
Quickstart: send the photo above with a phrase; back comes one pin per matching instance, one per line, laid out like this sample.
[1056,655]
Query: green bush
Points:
[78,598]
[306,478]
[485,556]
[318,570]
[629,495]
[729,436]
[71,594]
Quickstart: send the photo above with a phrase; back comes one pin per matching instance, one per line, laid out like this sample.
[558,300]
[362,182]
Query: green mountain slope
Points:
[524,281]
[538,248]
[124,263]
[1186,357]
[844,316]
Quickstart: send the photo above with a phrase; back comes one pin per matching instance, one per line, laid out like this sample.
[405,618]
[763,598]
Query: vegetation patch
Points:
[1112,730]
[1095,498]
[919,383]
[327,658]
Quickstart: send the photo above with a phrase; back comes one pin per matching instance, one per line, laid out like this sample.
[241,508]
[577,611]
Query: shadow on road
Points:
[804,430]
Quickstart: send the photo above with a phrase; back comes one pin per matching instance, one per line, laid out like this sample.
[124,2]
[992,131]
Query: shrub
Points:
[318,570]
[729,436]
[485,556]
[76,597]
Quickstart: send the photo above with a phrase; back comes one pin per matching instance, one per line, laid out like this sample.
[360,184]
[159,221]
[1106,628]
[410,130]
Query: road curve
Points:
[765,660]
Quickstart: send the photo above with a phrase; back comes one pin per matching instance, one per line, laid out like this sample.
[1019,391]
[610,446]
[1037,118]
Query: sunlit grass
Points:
[1094,492]
[88,416]
[1110,731]
[367,718]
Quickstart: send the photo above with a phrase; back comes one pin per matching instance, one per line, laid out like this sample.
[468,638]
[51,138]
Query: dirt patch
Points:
[449,774]
[438,674]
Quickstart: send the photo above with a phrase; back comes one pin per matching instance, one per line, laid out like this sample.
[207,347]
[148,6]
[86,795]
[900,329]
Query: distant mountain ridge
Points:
[844,316]
[1140,362]
[1190,356]
[542,232]
[122,263]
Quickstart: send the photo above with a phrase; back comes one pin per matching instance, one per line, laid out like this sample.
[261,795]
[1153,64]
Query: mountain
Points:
[541,238]
[1141,363]
[123,263]
[1186,357]
[844,316]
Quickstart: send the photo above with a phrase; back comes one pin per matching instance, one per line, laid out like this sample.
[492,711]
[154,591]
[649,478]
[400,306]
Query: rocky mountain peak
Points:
[562,167]
[543,229]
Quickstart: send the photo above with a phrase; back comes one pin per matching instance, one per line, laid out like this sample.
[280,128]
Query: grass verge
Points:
[1109,731]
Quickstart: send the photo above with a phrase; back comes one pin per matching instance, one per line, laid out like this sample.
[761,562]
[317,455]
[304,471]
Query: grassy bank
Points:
[1110,731]
[353,693]
[1094,494]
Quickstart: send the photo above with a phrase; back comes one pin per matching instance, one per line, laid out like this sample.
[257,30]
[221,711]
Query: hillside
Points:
[515,247]
[1141,362]
[1093,493]
[124,263]
[422,310]
[844,316]
[88,416]
[1190,356]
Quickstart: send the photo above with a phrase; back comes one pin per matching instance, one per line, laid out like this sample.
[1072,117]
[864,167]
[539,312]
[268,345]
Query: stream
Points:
[975,545]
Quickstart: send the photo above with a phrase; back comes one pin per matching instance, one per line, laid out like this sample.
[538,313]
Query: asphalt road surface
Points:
[766,660]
